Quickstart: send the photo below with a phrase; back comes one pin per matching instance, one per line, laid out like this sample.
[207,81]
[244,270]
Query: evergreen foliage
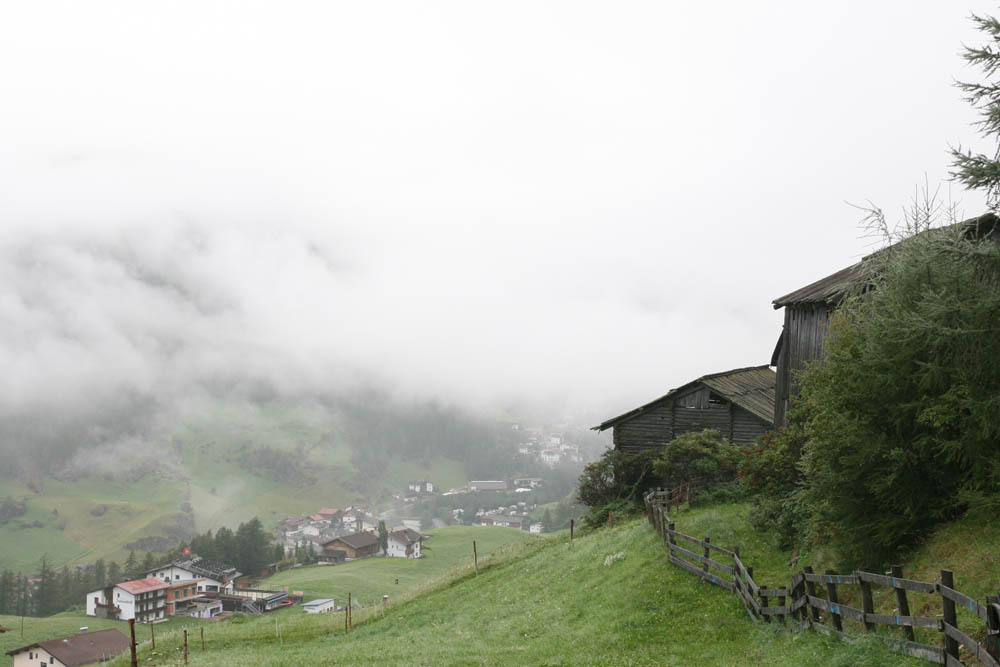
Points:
[903,416]
[978,170]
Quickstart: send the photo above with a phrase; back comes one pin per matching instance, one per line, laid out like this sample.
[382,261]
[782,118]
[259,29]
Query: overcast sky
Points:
[480,202]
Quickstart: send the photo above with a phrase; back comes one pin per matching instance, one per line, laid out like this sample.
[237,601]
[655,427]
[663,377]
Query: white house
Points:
[218,577]
[404,543]
[319,606]
[143,599]
[535,527]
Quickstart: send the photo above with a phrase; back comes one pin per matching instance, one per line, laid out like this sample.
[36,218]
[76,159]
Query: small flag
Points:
[187,550]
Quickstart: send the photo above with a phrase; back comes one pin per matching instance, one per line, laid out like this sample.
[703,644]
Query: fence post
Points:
[152,635]
[708,552]
[901,602]
[764,602]
[866,600]
[475,555]
[131,634]
[811,591]
[799,593]
[781,603]
[348,611]
[831,592]
[993,626]
[185,646]
[950,617]
[670,538]
[203,639]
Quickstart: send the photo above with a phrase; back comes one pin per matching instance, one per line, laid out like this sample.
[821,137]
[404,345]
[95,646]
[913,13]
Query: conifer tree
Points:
[114,574]
[131,566]
[981,170]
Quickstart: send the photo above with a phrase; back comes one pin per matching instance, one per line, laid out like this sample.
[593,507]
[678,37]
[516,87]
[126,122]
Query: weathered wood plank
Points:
[904,621]
[974,647]
[831,578]
[898,582]
[836,608]
[703,543]
[701,559]
[963,600]
[694,569]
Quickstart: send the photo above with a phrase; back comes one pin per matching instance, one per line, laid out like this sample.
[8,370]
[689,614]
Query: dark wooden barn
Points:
[738,403]
[808,310]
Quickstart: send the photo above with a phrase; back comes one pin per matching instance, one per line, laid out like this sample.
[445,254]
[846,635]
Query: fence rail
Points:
[802,600]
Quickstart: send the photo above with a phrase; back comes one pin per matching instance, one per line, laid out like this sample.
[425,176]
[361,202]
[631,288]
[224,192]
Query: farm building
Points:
[358,545]
[404,543]
[737,403]
[808,310]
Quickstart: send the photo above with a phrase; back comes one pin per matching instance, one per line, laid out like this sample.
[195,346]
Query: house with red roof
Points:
[145,600]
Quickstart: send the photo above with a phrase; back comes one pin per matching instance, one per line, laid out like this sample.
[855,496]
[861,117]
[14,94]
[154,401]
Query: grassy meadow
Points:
[609,597]
[369,579]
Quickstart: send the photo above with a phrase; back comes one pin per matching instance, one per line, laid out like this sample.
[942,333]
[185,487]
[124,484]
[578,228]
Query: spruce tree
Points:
[981,171]
[131,566]
[100,573]
[114,574]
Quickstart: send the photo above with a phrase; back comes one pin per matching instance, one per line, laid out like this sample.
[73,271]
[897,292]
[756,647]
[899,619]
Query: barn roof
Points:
[834,287]
[751,388]
[356,541]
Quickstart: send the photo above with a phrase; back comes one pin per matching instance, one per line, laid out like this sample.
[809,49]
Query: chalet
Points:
[216,577]
[357,545]
[808,310]
[404,543]
[528,482]
[487,485]
[141,599]
[86,648]
[737,403]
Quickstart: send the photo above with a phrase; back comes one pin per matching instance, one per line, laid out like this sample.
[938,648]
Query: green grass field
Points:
[369,579]
[610,597]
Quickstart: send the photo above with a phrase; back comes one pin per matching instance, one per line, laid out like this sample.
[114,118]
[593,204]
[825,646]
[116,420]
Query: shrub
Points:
[704,459]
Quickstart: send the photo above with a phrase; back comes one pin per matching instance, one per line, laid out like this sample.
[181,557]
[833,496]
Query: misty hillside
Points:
[104,493]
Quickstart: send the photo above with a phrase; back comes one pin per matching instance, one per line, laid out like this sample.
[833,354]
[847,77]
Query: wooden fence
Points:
[802,605]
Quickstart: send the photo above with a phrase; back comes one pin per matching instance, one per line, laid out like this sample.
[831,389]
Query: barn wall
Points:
[662,423]
[804,337]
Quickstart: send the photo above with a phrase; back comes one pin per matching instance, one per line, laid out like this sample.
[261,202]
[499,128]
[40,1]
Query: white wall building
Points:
[319,606]
[404,544]
[142,599]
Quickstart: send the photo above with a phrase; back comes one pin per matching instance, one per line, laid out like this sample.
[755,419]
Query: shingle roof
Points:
[834,287]
[356,540]
[84,648]
[146,585]
[406,536]
[751,388]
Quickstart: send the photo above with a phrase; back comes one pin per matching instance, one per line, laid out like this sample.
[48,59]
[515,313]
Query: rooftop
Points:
[356,540]
[82,649]
[751,388]
[146,585]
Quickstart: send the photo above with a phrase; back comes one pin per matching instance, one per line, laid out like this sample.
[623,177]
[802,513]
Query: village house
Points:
[356,545]
[216,577]
[327,556]
[550,457]
[405,543]
[86,648]
[141,599]
[739,404]
[331,514]
[181,595]
[528,482]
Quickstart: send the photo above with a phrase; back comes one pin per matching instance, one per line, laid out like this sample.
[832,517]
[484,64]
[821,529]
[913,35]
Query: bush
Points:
[617,477]
[703,459]
[769,470]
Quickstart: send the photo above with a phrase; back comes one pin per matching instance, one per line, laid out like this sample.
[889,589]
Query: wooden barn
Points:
[738,403]
[808,310]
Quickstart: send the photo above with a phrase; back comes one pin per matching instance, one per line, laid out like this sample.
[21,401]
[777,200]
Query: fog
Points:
[575,205]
